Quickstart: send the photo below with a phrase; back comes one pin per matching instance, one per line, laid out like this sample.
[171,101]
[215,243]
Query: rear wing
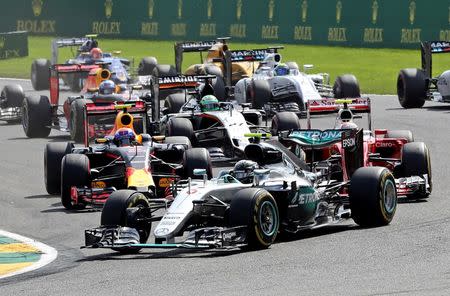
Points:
[115,107]
[193,46]
[253,55]
[328,105]
[427,49]
[70,42]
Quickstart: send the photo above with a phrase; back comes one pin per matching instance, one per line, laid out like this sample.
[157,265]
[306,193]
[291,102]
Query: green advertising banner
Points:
[362,23]
[13,44]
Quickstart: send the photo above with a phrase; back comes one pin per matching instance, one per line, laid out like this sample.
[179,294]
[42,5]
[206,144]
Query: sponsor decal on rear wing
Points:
[361,105]
[70,68]
[185,81]
[252,55]
[196,46]
[107,108]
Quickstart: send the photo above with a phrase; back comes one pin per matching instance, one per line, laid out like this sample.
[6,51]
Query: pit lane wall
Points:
[362,23]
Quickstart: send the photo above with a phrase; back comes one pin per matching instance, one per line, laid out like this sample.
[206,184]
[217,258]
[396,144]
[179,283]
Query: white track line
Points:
[48,253]
[15,79]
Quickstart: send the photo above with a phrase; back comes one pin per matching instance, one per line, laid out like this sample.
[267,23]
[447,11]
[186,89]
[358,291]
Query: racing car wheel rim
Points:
[389,196]
[268,218]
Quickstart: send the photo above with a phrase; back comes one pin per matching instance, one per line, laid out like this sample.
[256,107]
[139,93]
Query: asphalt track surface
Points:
[409,257]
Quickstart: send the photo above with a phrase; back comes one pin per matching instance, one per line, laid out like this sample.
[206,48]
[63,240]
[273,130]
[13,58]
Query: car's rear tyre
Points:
[416,162]
[284,121]
[12,95]
[53,155]
[259,93]
[146,66]
[174,102]
[218,83]
[411,88]
[40,74]
[36,117]
[373,196]
[164,70]
[197,158]
[346,86]
[122,209]
[257,209]
[398,134]
[177,126]
[77,128]
[74,172]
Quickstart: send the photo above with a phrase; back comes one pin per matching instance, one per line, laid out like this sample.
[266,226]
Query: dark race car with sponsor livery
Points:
[396,150]
[271,192]
[415,86]
[221,127]
[118,154]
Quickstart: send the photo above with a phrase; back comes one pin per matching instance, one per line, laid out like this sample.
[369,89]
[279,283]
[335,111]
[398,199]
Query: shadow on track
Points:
[47,196]
[58,138]
[411,201]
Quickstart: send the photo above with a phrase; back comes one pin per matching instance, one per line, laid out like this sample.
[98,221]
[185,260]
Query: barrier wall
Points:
[13,44]
[362,23]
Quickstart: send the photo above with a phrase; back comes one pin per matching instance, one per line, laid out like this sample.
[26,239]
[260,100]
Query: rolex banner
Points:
[362,23]
[13,44]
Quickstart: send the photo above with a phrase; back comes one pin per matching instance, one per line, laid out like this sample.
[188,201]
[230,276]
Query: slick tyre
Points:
[416,162]
[77,119]
[123,208]
[53,155]
[74,172]
[373,196]
[411,88]
[259,93]
[36,117]
[174,102]
[164,71]
[177,126]
[398,134]
[146,66]
[13,95]
[346,86]
[255,208]
[197,158]
[284,121]
[40,74]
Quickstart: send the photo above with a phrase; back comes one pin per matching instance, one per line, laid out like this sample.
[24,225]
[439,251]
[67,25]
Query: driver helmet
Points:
[124,137]
[96,53]
[244,170]
[281,70]
[107,87]
[209,103]
[348,125]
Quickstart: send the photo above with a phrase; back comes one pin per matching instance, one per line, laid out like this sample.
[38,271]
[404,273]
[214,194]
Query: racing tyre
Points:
[40,74]
[346,86]
[77,120]
[197,158]
[260,93]
[373,196]
[284,121]
[177,126]
[75,82]
[174,102]
[255,208]
[74,172]
[416,162]
[123,208]
[36,117]
[405,134]
[53,155]
[12,96]
[147,65]
[411,88]
[164,70]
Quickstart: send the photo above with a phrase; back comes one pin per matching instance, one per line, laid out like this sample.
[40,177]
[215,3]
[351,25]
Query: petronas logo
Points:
[412,12]
[271,9]
[239,9]
[36,5]
[108,8]
[151,6]
[304,10]
[180,9]
[374,11]
[210,8]
[338,11]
